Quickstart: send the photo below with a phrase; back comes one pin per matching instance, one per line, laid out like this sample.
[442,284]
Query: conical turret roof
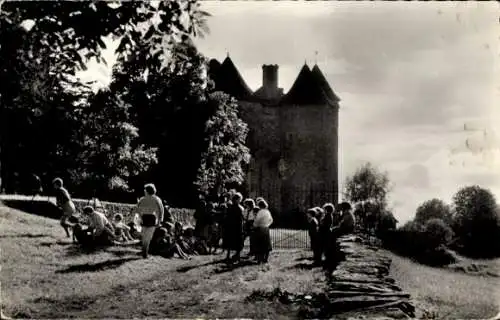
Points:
[228,79]
[307,89]
[324,84]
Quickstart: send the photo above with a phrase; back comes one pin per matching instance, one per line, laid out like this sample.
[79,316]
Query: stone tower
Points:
[293,137]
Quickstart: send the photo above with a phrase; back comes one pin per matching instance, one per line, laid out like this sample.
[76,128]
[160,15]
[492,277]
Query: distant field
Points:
[447,294]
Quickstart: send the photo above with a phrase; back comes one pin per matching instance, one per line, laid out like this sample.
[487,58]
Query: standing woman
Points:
[150,209]
[262,237]
[233,228]
[64,202]
[313,229]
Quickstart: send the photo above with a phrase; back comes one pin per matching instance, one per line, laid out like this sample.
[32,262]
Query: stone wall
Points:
[38,205]
[359,288]
[185,216]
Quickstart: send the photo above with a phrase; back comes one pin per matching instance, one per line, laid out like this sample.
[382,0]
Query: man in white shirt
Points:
[101,230]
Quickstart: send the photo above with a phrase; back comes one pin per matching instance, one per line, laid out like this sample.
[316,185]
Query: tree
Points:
[54,37]
[367,188]
[221,164]
[431,209]
[367,184]
[170,111]
[109,155]
[387,222]
[476,221]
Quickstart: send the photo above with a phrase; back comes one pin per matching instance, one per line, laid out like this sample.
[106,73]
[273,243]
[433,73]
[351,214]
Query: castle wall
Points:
[264,142]
[310,151]
[294,154]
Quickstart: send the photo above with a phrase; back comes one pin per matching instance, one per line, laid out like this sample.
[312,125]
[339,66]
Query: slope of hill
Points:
[44,276]
[446,294]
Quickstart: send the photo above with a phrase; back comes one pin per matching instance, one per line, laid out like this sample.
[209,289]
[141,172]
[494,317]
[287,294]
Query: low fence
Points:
[290,239]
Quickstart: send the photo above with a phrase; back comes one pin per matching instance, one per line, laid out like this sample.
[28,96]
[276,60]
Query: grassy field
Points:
[44,276]
[447,294]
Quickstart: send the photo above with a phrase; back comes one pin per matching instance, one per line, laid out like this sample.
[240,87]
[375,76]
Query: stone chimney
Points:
[270,77]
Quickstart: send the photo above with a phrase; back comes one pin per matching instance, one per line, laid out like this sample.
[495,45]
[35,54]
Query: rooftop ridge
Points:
[310,86]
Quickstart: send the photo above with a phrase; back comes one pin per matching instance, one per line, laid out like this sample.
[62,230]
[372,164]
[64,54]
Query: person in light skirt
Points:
[151,210]
[262,238]
[64,202]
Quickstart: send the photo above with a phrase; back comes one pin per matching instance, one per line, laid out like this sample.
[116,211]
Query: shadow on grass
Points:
[72,303]
[58,243]
[75,249]
[94,267]
[305,259]
[123,252]
[234,266]
[189,268]
[26,235]
[39,207]
[303,266]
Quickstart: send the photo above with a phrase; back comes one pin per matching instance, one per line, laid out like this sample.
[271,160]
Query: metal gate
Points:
[290,239]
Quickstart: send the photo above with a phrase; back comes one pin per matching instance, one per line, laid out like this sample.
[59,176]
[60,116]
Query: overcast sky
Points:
[410,76]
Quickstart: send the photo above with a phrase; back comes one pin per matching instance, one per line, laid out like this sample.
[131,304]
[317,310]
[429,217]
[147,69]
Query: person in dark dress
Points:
[325,223]
[233,228]
[344,225]
[331,219]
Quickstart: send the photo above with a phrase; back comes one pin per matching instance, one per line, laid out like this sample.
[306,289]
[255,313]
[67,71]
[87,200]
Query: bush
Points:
[439,256]
[423,243]
[437,233]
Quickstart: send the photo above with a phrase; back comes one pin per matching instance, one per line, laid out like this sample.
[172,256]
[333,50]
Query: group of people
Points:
[233,221]
[152,225]
[326,225]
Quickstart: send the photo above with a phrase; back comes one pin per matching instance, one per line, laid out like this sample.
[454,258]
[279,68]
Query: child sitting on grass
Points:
[163,244]
[135,227]
[122,231]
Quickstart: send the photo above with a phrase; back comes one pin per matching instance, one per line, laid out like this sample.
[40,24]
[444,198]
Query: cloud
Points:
[409,76]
